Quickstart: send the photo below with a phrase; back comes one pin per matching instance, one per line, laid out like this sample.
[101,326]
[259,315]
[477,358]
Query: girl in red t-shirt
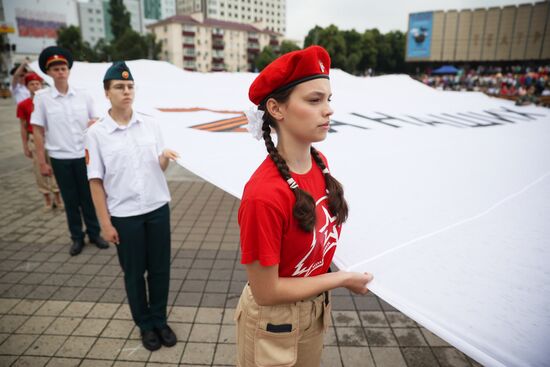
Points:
[290,218]
[46,185]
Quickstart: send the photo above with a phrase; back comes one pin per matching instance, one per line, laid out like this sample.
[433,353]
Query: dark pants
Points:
[72,180]
[145,246]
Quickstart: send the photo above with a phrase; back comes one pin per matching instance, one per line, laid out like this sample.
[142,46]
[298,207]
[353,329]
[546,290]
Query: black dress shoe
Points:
[150,340]
[76,247]
[166,336]
[99,242]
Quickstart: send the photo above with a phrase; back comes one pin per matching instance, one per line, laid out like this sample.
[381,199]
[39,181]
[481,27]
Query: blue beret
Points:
[118,71]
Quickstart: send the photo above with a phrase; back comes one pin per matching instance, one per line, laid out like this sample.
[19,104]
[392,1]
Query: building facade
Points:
[33,25]
[269,14]
[95,20]
[202,44]
[510,33]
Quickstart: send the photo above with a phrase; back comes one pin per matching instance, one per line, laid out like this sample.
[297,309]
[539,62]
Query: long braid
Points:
[304,207]
[337,205]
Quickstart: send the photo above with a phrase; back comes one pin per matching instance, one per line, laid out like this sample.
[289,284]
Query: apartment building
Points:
[202,44]
[271,14]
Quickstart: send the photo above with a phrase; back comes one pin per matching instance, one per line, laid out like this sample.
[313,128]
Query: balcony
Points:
[188,33]
[217,32]
[217,59]
[189,57]
[218,67]
[273,42]
[218,45]
[253,40]
[188,45]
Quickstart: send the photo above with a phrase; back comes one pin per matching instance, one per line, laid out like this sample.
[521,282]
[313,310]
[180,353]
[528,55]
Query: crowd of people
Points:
[524,83]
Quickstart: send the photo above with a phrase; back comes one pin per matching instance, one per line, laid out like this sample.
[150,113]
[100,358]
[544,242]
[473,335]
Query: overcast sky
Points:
[386,15]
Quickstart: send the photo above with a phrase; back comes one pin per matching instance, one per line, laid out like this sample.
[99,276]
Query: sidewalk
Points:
[58,310]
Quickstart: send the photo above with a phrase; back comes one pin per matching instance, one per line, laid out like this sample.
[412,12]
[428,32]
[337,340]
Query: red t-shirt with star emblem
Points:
[269,232]
[24,111]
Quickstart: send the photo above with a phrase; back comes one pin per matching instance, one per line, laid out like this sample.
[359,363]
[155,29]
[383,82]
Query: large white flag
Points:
[449,193]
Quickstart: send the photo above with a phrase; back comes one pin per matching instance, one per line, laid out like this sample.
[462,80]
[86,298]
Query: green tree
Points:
[287,46]
[313,36]
[266,56]
[333,41]
[102,50]
[354,50]
[120,18]
[370,51]
[131,46]
[397,41]
[71,39]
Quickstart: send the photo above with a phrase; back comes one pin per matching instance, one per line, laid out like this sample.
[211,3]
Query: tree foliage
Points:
[126,44]
[270,53]
[120,18]
[356,52]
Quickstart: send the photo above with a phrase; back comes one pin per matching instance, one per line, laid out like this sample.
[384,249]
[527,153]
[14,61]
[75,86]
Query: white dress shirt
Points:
[126,158]
[19,92]
[64,119]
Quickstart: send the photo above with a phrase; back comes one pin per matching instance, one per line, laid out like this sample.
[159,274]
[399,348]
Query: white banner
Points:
[448,191]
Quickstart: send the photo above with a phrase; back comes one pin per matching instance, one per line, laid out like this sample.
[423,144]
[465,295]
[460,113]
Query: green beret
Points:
[54,55]
[118,71]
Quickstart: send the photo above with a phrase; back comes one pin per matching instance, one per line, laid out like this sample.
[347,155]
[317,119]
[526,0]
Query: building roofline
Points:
[216,23]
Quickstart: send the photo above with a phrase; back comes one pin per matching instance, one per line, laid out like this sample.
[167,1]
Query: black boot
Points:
[166,336]
[76,247]
[99,242]
[150,340]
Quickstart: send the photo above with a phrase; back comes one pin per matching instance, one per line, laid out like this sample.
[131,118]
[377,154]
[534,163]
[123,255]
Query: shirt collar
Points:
[55,93]
[112,125]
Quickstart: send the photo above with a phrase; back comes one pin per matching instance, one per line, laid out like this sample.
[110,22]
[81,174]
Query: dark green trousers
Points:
[72,180]
[145,247]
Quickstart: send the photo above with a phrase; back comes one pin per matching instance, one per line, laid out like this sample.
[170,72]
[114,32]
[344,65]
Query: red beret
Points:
[32,76]
[289,70]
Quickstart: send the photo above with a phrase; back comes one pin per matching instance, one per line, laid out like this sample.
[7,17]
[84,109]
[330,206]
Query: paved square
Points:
[58,310]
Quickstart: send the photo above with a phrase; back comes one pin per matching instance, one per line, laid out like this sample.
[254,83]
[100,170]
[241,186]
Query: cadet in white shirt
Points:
[18,88]
[126,157]
[61,114]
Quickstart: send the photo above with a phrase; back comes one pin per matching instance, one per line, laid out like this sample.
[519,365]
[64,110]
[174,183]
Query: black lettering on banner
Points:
[475,123]
[499,115]
[380,120]
[334,123]
[449,120]
[482,117]
[433,122]
[524,114]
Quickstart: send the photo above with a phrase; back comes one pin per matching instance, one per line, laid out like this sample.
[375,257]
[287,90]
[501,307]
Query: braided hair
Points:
[304,207]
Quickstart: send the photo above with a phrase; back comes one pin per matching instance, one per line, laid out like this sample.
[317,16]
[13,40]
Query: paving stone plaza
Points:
[58,310]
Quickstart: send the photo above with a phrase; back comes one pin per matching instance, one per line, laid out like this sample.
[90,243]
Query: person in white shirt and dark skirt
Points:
[125,158]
